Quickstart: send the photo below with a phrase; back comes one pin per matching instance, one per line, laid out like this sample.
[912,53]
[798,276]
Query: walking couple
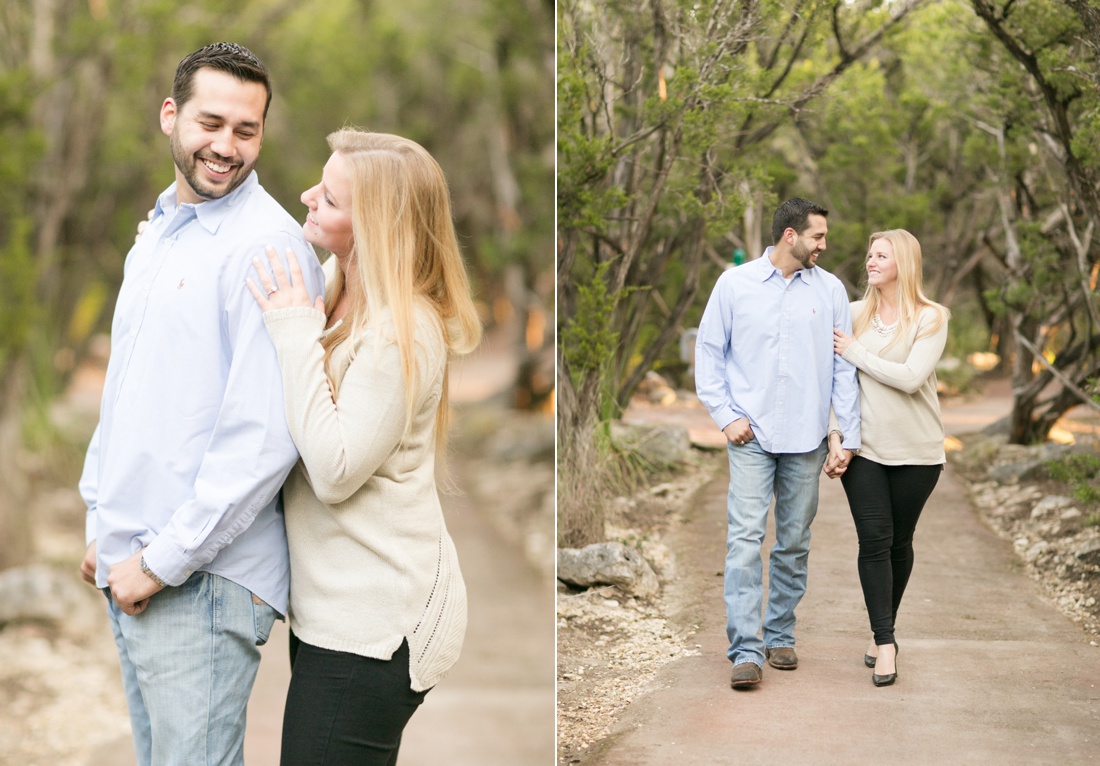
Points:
[245,387]
[799,380]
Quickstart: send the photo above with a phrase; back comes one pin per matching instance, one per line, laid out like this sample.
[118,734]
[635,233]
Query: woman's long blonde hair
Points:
[910,295]
[405,256]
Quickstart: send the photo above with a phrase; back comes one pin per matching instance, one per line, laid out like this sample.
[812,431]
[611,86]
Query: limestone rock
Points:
[1021,470]
[660,446]
[657,389]
[608,564]
[1089,552]
[40,593]
[1049,504]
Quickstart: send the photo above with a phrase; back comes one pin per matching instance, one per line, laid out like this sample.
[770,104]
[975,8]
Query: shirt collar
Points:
[768,268]
[211,212]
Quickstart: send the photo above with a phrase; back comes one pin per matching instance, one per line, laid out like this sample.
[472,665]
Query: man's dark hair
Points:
[794,214]
[233,59]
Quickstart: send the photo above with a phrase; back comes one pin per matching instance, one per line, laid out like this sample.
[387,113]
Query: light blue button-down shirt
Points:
[764,351]
[192,445]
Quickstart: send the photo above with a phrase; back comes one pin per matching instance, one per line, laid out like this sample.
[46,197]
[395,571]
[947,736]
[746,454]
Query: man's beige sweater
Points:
[371,561]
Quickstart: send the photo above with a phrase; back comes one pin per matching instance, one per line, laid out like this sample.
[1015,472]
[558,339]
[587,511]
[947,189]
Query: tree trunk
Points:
[580,514]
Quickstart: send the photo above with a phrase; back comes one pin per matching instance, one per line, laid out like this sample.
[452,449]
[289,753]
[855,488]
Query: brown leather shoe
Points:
[745,675]
[782,657]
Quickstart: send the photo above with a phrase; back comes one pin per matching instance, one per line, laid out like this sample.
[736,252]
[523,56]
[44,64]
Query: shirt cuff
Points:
[168,565]
[723,416]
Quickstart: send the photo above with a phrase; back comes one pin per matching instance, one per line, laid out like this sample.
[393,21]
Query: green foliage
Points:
[17,305]
[20,147]
[1041,283]
[957,379]
[995,301]
[585,157]
[589,339]
[83,157]
[1074,468]
[966,331]
[1080,472]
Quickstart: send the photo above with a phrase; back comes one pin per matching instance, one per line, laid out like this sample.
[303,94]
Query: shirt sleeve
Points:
[845,393]
[909,375]
[712,344]
[343,440]
[89,486]
[250,451]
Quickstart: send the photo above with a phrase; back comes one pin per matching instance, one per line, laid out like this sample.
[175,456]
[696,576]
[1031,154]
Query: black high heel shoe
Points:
[889,678]
[869,661]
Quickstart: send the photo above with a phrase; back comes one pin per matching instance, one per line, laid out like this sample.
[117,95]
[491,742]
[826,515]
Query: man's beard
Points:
[188,166]
[803,254]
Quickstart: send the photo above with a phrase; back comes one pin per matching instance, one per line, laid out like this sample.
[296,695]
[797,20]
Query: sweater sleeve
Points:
[342,440]
[910,375]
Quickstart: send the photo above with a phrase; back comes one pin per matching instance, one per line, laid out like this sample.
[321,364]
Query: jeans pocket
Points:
[264,617]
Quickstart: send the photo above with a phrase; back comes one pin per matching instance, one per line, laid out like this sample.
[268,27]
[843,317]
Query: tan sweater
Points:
[371,562]
[899,409]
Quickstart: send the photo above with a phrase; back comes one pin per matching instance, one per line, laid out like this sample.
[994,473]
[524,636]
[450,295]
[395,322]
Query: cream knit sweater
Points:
[899,410]
[371,562]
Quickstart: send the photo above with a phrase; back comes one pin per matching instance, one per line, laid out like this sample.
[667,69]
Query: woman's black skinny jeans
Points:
[886,501]
[346,710]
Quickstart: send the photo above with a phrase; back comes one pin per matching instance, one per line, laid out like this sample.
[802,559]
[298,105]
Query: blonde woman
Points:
[898,337]
[377,606]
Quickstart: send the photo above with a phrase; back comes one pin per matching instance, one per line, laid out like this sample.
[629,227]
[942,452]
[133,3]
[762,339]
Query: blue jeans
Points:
[755,477]
[188,665]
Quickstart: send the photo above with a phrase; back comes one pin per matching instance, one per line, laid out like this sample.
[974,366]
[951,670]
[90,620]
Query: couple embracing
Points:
[799,380]
[249,384]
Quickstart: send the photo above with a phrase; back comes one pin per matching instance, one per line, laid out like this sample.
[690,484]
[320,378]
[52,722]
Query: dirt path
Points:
[988,671]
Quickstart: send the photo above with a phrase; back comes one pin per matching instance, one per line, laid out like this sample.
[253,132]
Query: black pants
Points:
[346,710]
[886,501]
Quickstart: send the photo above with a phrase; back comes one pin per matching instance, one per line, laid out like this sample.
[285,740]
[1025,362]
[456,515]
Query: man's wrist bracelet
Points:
[151,574]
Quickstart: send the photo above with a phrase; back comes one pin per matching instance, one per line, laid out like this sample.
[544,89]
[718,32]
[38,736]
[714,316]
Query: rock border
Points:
[1055,536]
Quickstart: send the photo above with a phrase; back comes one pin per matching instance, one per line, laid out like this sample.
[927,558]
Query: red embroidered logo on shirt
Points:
[180,285]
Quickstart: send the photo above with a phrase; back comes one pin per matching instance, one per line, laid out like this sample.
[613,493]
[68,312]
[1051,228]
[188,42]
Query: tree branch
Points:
[1084,397]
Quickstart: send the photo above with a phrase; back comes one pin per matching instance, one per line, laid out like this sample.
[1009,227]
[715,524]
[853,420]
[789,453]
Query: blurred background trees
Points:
[975,125]
[82,159]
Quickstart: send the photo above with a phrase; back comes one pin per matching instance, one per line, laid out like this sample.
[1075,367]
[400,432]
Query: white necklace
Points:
[885,330]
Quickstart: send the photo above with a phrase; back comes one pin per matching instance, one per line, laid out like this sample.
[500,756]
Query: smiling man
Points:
[185,526]
[766,371]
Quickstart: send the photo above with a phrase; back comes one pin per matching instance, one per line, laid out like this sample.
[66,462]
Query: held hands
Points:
[836,464]
[841,340]
[284,291]
[130,587]
[739,432]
